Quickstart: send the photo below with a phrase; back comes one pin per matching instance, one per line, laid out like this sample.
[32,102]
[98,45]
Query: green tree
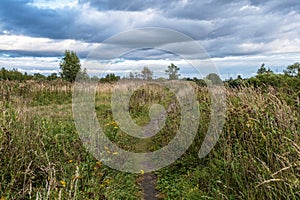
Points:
[172,71]
[214,78]
[52,77]
[39,77]
[70,66]
[146,74]
[263,69]
[293,70]
[110,78]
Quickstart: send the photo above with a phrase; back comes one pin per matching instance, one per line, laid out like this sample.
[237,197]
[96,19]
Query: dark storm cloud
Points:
[224,28]
[18,17]
[133,5]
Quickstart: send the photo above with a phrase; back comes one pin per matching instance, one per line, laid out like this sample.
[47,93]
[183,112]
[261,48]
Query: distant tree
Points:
[3,74]
[13,74]
[82,75]
[214,78]
[110,78]
[95,78]
[146,74]
[70,66]
[136,75]
[172,71]
[293,70]
[131,75]
[39,77]
[52,77]
[263,69]
[234,83]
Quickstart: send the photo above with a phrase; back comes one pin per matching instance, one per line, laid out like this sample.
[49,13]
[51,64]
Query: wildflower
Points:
[142,172]
[70,161]
[63,183]
[107,150]
[99,164]
[115,127]
[106,181]
[115,153]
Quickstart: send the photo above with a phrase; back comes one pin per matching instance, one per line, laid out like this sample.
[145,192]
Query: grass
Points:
[42,157]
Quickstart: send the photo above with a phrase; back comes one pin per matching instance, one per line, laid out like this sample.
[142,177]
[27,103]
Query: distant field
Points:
[42,156]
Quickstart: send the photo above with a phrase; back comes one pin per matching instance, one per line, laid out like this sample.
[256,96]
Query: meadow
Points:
[42,157]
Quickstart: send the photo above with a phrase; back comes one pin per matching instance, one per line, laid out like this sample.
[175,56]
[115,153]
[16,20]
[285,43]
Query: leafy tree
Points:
[13,74]
[146,74]
[263,70]
[39,77]
[95,78]
[214,78]
[234,83]
[52,77]
[293,70]
[70,66]
[110,78]
[172,71]
[131,75]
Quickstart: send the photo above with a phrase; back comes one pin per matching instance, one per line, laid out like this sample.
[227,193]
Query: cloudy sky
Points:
[238,35]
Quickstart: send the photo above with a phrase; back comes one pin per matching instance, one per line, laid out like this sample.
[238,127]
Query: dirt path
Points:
[147,180]
[148,183]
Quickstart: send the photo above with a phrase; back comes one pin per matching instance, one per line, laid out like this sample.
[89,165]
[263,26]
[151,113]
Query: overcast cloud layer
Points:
[239,35]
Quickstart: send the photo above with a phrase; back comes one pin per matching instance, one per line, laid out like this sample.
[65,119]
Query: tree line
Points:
[70,68]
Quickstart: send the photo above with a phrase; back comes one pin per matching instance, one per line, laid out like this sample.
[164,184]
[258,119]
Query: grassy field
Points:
[42,156]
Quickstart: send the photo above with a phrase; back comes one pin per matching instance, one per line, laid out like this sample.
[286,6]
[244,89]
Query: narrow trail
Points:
[148,184]
[148,180]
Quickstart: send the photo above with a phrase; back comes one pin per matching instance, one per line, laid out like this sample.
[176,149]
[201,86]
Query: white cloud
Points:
[54,4]
[34,44]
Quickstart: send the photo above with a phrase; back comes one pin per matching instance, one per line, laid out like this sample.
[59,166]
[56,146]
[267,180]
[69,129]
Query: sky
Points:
[238,35]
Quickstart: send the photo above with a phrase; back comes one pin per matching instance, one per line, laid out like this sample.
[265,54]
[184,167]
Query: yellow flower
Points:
[115,127]
[115,153]
[107,150]
[70,161]
[106,181]
[142,172]
[99,164]
[63,183]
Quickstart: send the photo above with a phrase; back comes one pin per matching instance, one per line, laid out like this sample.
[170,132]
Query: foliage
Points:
[214,79]
[263,70]
[256,157]
[42,156]
[110,78]
[146,74]
[172,72]
[293,70]
[70,67]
